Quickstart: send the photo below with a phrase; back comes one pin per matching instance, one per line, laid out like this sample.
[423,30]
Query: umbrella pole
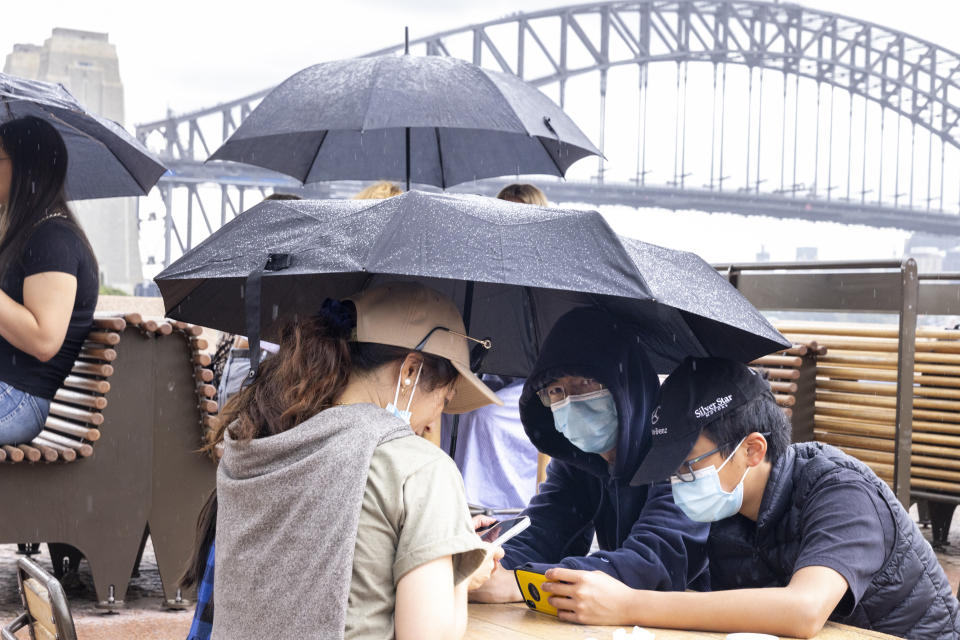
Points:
[467,312]
[407,145]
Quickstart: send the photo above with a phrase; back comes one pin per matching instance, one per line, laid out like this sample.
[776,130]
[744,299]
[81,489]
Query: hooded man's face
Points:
[585,413]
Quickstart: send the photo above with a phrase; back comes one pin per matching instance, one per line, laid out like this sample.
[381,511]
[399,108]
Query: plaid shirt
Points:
[202,625]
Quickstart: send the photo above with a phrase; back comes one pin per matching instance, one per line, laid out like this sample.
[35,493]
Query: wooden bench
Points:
[792,376]
[118,455]
[856,405]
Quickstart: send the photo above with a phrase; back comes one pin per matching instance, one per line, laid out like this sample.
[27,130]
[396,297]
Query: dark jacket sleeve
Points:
[665,551]
[561,519]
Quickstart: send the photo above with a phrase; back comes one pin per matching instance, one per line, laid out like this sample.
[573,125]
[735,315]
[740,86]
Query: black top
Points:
[54,246]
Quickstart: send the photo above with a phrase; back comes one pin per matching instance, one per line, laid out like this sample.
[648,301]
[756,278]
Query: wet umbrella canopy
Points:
[104,160]
[445,119]
[513,269]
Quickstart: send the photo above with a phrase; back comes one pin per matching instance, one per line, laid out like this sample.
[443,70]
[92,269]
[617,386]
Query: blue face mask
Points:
[704,499]
[588,421]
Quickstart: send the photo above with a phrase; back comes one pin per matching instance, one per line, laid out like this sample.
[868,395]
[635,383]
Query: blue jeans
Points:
[21,415]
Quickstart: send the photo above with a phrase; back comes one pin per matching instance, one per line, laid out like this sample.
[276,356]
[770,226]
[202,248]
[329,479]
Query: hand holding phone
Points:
[530,584]
[501,531]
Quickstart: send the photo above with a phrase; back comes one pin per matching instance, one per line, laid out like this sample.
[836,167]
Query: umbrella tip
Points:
[406,41]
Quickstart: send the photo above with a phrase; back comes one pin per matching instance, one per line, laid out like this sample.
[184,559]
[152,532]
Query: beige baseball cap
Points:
[406,314]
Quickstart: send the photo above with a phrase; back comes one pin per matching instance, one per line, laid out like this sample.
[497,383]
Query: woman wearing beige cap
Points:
[333,522]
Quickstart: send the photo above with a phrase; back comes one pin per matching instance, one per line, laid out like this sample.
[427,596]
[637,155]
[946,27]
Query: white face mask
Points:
[392,406]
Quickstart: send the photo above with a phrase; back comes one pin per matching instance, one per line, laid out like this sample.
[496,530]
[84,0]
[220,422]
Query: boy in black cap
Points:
[801,533]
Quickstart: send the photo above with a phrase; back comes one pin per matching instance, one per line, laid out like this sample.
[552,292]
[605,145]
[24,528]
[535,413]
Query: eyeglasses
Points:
[477,354]
[556,392]
[685,472]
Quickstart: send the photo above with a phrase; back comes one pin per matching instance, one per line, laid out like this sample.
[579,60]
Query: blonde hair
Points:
[379,191]
[524,194]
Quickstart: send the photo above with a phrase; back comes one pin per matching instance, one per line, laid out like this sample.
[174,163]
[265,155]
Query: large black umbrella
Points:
[104,160]
[431,120]
[513,269]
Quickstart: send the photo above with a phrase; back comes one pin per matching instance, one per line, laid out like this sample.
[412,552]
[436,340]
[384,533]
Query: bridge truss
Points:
[716,105]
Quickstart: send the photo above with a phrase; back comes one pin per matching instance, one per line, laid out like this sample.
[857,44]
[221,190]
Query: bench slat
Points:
[14,454]
[48,453]
[203,374]
[32,454]
[68,454]
[86,384]
[81,399]
[208,405]
[110,324]
[76,413]
[71,429]
[81,448]
[101,370]
[104,337]
[96,352]
[207,390]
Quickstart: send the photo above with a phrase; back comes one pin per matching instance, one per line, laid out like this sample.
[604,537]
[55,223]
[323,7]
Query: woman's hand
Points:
[589,597]
[481,521]
[486,568]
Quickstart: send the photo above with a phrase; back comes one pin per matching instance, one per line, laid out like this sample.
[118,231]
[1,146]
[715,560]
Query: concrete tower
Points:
[87,65]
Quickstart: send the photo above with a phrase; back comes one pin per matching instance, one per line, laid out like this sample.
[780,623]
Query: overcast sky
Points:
[184,55]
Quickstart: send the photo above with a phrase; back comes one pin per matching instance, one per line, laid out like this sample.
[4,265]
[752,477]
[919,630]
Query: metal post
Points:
[683,131]
[749,125]
[830,146]
[883,123]
[910,293]
[723,114]
[796,122]
[913,157]
[896,178]
[849,142]
[646,99]
[863,172]
[759,128]
[816,143]
[167,222]
[783,135]
[603,123]
[713,125]
[676,132]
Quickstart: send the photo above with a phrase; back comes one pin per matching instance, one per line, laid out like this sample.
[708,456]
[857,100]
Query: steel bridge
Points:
[736,106]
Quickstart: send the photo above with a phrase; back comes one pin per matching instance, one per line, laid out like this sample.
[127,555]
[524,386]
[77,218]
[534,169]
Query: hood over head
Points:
[592,343]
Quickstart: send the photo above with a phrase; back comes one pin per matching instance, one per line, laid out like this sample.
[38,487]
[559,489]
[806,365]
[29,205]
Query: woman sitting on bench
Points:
[333,521]
[48,277]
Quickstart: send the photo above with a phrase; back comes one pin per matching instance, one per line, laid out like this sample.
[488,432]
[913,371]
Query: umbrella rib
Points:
[316,154]
[550,155]
[443,179]
[89,137]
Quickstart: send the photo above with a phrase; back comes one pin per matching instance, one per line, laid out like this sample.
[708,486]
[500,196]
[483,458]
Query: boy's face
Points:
[704,454]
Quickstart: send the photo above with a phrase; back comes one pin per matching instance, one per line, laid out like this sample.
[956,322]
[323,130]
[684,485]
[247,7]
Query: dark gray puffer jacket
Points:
[909,597]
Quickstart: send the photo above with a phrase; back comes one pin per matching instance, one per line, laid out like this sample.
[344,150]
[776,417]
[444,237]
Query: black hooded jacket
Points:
[645,539]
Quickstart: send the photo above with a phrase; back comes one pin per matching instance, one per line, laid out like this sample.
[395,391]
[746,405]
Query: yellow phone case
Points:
[530,586]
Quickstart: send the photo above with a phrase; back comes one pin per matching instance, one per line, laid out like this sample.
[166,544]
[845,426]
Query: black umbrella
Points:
[104,160]
[513,269]
[431,120]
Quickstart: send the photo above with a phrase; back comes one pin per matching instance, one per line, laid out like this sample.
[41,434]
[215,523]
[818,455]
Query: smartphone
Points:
[530,584]
[502,530]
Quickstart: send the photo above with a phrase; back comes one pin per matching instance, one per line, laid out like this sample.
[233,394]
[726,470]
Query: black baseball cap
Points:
[698,392]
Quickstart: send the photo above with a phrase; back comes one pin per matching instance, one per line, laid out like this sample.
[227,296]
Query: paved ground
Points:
[143,619]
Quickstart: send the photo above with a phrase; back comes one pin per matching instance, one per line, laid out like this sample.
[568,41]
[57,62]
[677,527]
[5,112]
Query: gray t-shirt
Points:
[414,511]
